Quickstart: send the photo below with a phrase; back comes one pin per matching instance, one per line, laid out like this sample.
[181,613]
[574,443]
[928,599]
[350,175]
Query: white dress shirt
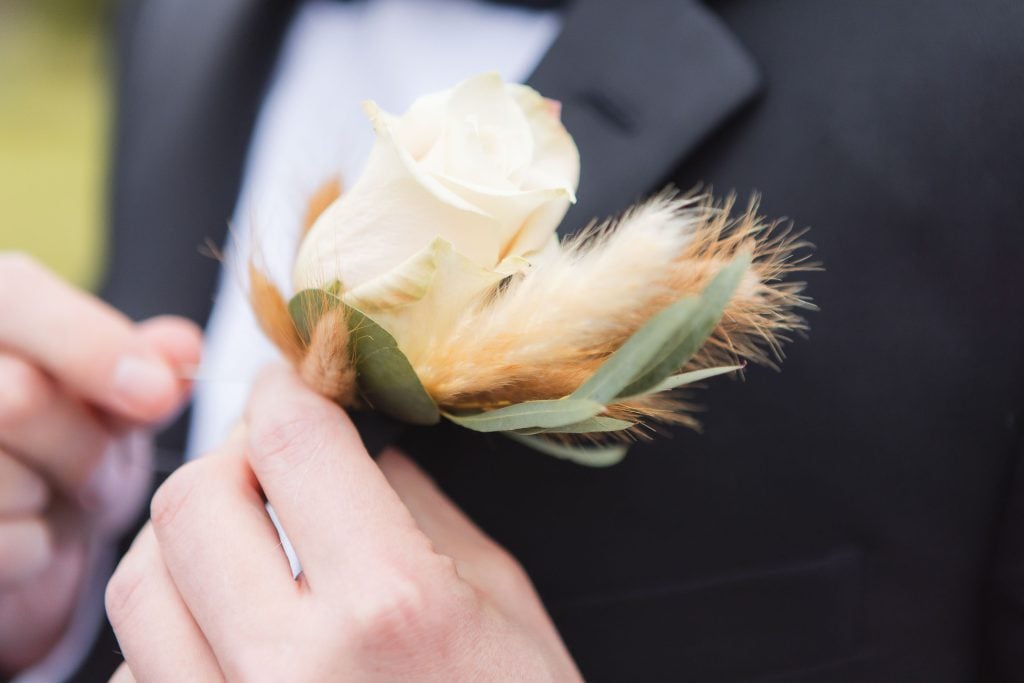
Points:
[311,128]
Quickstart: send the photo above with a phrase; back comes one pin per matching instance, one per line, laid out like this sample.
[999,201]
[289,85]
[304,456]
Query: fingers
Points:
[26,544]
[26,549]
[47,429]
[178,340]
[480,561]
[121,484]
[220,547]
[332,500]
[34,611]
[122,675]
[83,343]
[451,532]
[22,491]
[159,638]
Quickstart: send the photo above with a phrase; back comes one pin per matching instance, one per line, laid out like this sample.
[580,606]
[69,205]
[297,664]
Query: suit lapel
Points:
[192,74]
[641,85]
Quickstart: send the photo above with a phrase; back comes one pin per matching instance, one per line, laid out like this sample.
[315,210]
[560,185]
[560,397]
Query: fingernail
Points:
[138,380]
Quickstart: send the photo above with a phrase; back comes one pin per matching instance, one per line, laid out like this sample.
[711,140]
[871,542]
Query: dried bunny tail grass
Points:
[549,330]
[650,414]
[652,410]
[327,364]
[271,310]
[323,363]
[323,197]
[765,309]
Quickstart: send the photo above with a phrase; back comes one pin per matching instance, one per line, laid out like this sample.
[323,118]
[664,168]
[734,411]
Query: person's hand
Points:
[74,376]
[396,584]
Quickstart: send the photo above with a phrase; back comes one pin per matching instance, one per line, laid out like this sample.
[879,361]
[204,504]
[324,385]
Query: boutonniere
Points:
[436,287]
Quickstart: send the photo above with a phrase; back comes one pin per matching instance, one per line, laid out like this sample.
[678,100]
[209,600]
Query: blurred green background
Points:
[54,104]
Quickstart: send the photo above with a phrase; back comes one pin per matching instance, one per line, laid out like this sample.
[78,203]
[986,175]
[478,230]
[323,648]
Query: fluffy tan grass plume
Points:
[545,332]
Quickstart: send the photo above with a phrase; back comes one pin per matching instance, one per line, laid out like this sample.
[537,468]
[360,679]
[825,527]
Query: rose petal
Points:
[455,284]
[556,159]
[404,284]
[393,211]
[485,166]
[487,136]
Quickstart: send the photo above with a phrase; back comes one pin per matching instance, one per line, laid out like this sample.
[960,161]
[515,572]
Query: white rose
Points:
[466,187]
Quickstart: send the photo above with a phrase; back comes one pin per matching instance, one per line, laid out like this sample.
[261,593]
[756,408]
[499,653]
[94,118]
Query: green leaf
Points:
[386,378]
[530,415]
[638,353]
[665,342]
[307,307]
[592,425]
[676,381]
[697,328]
[591,456]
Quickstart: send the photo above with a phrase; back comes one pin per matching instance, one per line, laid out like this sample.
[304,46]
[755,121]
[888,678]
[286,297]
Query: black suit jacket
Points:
[858,517]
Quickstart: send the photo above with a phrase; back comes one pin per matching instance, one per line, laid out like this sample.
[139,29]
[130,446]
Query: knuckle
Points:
[409,614]
[24,391]
[394,612]
[174,495]
[285,441]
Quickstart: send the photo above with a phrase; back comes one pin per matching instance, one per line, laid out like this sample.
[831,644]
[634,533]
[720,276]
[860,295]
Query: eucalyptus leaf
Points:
[676,381]
[307,307]
[530,415]
[592,425]
[384,375]
[591,456]
[386,378]
[665,342]
[638,353]
[697,328]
